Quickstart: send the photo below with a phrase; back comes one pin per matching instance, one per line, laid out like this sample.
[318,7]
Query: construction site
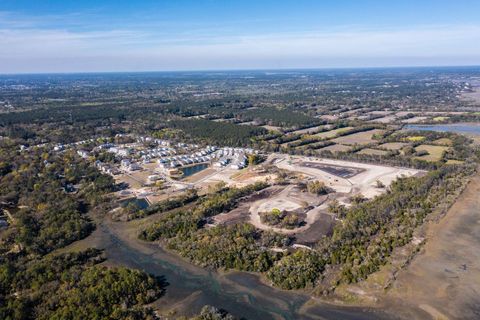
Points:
[287,197]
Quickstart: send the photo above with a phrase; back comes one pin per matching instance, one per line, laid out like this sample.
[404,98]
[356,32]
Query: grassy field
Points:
[415,138]
[393,145]
[373,151]
[272,128]
[331,133]
[415,119]
[386,119]
[451,161]
[288,142]
[364,137]
[434,152]
[440,118]
[336,148]
[443,142]
[307,131]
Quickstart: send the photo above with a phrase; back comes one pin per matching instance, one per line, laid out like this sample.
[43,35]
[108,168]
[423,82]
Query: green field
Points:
[443,142]
[415,138]
[332,133]
[336,148]
[364,137]
[373,151]
[435,153]
[393,145]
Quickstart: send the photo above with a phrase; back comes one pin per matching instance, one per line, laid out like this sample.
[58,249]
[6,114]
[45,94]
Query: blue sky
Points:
[87,35]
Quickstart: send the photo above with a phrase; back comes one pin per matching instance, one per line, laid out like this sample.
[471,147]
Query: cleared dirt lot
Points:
[288,198]
[363,182]
[194,178]
[232,177]
[341,171]
[139,178]
[241,212]
[129,180]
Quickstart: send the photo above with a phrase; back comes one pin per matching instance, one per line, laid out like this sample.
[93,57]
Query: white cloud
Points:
[42,50]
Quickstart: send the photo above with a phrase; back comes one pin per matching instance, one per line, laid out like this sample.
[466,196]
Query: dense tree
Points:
[317,187]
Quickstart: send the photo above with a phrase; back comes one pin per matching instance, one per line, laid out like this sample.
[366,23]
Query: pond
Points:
[188,171]
[462,128]
[139,202]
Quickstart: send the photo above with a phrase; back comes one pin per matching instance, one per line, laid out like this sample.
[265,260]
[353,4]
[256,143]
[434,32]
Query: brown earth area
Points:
[443,281]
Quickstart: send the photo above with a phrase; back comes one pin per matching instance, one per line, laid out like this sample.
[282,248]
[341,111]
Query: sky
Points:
[166,35]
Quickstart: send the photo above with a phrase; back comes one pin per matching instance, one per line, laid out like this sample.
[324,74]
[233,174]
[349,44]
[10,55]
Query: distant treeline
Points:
[283,118]
[217,133]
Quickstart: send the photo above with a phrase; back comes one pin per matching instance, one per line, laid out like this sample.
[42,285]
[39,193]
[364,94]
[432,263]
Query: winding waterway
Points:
[242,294]
[190,287]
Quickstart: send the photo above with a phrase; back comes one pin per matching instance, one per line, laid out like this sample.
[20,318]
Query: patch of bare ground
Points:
[288,199]
[323,226]
[200,175]
[241,212]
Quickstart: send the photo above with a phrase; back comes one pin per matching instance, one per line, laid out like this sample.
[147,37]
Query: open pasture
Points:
[435,153]
[364,137]
[373,152]
[392,145]
[336,148]
[332,133]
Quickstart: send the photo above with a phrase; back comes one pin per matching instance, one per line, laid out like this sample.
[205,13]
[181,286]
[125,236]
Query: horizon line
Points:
[240,70]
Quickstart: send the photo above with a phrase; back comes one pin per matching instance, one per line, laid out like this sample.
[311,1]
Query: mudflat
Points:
[443,281]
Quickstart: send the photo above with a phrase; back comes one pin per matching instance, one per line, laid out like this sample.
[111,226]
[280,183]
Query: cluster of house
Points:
[203,155]
[106,168]
[83,153]
[159,142]
[169,156]
[61,147]
[235,157]
[128,165]
[148,155]
[125,165]
[123,152]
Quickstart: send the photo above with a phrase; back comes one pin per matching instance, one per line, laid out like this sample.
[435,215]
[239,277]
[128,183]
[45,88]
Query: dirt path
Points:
[255,216]
[443,281]
[257,206]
